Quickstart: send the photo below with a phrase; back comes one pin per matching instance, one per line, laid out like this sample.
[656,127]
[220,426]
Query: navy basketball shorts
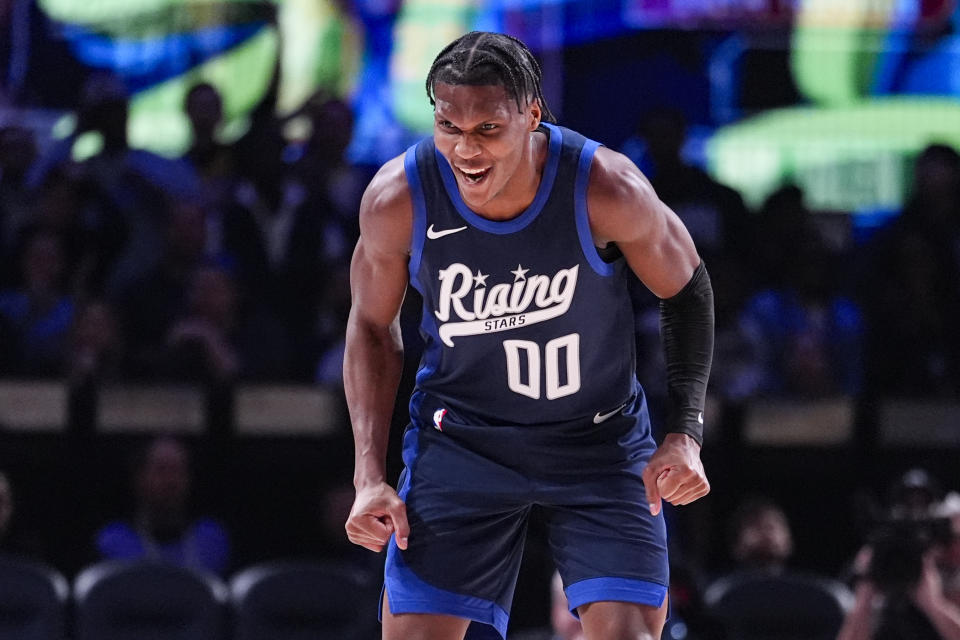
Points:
[469,492]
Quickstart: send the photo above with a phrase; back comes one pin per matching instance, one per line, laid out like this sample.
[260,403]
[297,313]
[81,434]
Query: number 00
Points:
[570,344]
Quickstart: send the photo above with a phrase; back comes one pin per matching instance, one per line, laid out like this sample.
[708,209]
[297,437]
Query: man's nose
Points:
[467,147]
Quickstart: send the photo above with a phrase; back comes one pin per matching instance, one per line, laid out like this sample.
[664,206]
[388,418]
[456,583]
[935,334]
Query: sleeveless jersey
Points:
[523,323]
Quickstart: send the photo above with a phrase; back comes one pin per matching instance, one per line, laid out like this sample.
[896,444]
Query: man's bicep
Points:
[378,271]
[664,258]
[624,209]
[378,281]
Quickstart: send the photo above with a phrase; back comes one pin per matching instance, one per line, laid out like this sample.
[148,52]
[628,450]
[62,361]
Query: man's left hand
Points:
[675,473]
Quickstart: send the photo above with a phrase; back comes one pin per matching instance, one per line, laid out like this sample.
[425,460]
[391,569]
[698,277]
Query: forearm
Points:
[687,324]
[372,366]
[945,618]
[858,625]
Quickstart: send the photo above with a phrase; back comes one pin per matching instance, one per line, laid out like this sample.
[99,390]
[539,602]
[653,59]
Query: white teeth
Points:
[470,172]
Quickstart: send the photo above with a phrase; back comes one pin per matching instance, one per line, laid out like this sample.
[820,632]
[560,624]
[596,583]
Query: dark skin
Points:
[480,128]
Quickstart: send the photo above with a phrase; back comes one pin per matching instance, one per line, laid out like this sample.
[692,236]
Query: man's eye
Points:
[446,124]
[488,126]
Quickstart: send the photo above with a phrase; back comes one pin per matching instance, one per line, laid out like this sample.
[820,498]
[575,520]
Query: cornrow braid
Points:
[485,58]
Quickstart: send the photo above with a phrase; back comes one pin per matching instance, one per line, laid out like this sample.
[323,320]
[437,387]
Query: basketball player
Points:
[519,234]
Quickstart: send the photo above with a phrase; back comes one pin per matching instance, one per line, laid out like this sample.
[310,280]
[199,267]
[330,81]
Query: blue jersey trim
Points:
[407,593]
[431,354]
[529,214]
[615,590]
[419,214]
[580,207]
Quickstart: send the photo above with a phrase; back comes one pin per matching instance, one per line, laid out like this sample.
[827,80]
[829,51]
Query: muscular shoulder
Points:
[620,199]
[386,210]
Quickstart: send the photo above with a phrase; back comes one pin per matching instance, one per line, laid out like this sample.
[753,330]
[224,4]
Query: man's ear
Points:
[536,114]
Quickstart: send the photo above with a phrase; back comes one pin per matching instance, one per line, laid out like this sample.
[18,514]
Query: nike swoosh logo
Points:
[602,417]
[433,235]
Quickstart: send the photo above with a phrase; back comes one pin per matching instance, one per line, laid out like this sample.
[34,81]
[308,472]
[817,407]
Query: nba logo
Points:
[438,419]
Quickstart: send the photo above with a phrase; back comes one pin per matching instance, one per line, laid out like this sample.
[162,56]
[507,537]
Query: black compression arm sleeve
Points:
[686,328]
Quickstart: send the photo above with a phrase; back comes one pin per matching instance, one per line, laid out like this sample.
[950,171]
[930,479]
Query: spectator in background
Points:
[760,537]
[37,312]
[762,598]
[713,213]
[912,349]
[949,559]
[901,573]
[274,236]
[14,541]
[200,344]
[162,527]
[902,595]
[153,303]
[59,207]
[216,342]
[96,350]
[332,328]
[335,186]
[17,152]
[126,186]
[211,159]
[805,331]
[718,222]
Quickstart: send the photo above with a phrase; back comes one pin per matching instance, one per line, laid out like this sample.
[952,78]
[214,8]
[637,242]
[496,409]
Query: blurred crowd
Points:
[227,263]
[231,262]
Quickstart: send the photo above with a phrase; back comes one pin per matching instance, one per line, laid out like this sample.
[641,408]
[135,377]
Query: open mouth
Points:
[474,176]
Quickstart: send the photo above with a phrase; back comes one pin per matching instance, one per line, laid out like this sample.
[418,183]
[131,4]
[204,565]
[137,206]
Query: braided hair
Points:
[485,58]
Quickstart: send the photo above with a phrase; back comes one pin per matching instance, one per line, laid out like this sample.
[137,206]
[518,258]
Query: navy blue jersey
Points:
[523,322]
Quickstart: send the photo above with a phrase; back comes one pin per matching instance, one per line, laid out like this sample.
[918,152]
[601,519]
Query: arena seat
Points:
[287,600]
[148,601]
[33,600]
[757,606]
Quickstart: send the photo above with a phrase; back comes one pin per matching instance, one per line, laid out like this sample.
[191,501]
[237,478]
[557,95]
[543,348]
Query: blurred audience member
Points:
[211,159]
[762,598]
[332,327]
[153,303]
[335,186]
[912,344]
[949,560]
[95,350]
[761,539]
[201,342]
[275,237]
[806,332]
[37,312]
[910,289]
[915,608]
[13,539]
[914,495]
[902,571]
[162,527]
[713,213]
[127,185]
[17,152]
[58,207]
[215,342]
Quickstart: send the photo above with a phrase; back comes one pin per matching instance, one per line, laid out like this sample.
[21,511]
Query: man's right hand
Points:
[377,513]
